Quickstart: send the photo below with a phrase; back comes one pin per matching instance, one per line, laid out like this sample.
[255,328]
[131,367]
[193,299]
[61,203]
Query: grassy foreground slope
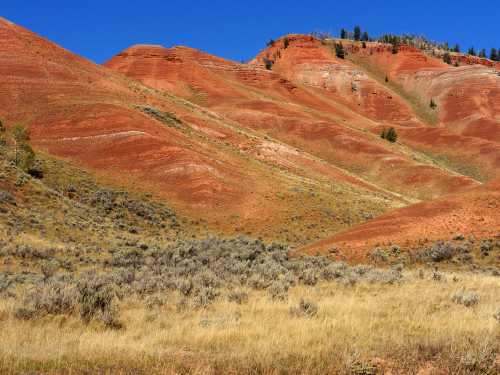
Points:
[415,327]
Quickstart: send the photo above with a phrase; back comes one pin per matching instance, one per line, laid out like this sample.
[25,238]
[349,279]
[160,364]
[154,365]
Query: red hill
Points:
[234,143]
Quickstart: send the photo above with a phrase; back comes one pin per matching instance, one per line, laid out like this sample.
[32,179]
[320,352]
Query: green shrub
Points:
[278,291]
[167,118]
[55,298]
[379,255]
[357,33]
[438,252]
[309,277]
[494,55]
[49,268]
[286,42]
[389,134]
[486,246]
[97,300]
[268,63]
[334,271]
[447,58]
[339,50]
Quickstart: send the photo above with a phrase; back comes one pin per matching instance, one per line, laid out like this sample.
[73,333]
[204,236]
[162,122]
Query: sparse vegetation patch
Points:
[166,117]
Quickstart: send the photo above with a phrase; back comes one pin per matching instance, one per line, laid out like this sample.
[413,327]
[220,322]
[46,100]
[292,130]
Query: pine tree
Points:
[343,34]
[471,51]
[286,42]
[268,63]
[270,43]
[383,135]
[482,53]
[357,33]
[456,48]
[391,135]
[363,44]
[365,37]
[447,58]
[394,48]
[493,54]
[432,104]
[339,50]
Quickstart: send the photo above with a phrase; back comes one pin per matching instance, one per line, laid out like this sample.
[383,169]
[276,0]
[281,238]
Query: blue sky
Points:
[239,29]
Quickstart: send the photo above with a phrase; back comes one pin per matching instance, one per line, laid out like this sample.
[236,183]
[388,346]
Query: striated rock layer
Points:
[297,145]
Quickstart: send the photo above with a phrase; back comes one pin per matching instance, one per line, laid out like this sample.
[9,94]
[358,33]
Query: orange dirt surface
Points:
[205,166]
[294,105]
[307,61]
[79,110]
[467,97]
[234,143]
[473,213]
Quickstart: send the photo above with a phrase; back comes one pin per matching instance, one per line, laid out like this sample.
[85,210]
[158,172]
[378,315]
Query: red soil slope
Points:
[465,139]
[467,97]
[80,110]
[472,213]
[307,61]
[280,104]
[234,143]
[205,167]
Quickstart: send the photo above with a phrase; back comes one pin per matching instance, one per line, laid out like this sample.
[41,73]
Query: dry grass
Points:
[407,326]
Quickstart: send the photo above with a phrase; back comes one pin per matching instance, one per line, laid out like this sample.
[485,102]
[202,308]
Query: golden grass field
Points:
[407,328]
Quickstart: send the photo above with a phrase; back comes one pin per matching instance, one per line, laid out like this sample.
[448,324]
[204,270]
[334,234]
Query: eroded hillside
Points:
[229,144]
[203,164]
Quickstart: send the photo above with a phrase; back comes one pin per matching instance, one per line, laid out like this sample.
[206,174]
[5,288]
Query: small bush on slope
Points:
[389,134]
